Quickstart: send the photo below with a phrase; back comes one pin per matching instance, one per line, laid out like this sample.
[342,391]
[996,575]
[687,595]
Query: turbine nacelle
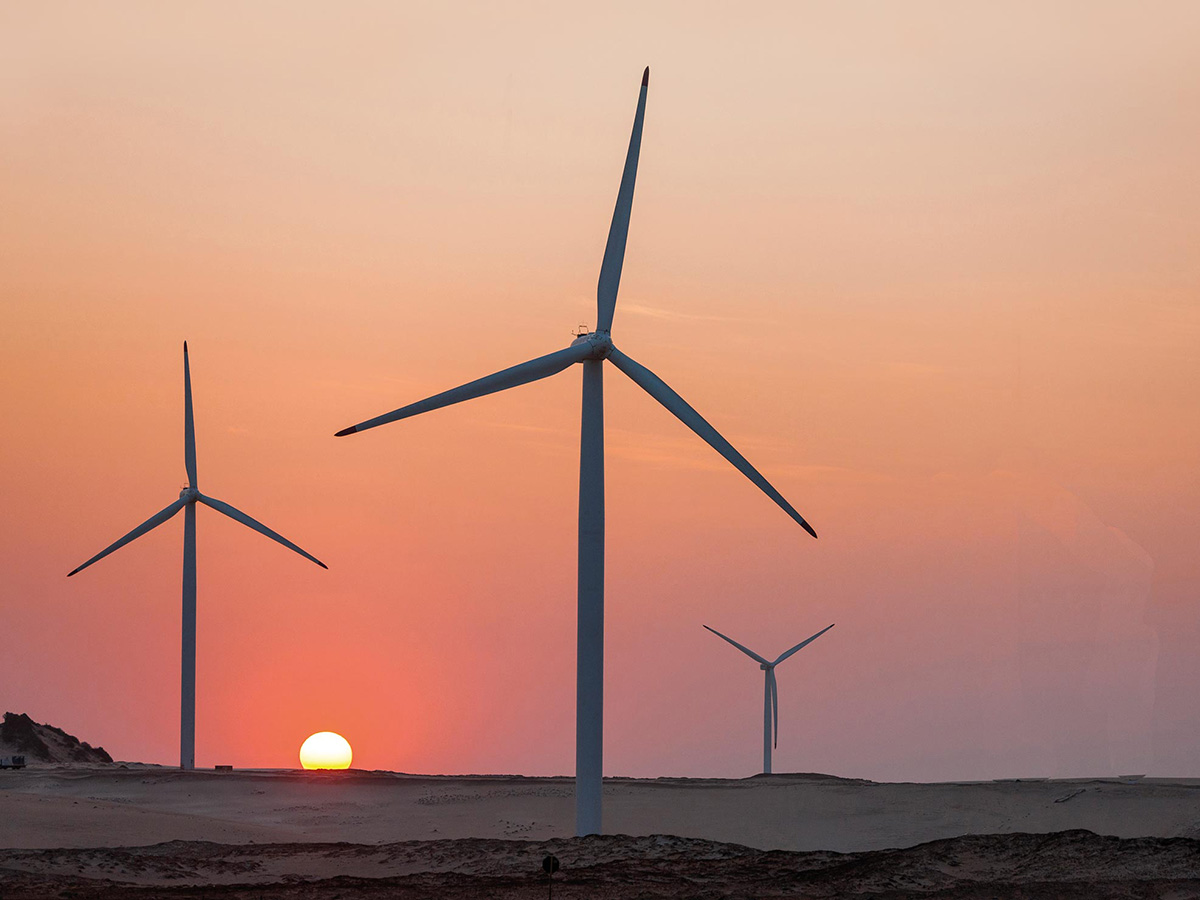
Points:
[600,343]
[189,495]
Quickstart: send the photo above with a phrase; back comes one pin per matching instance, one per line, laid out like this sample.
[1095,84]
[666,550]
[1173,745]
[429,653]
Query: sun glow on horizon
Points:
[326,750]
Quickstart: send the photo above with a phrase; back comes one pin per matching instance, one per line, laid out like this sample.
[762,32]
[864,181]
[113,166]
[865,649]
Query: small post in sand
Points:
[550,866]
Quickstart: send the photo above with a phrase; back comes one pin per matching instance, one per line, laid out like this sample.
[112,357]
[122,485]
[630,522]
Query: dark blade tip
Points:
[345,431]
[646,77]
[321,564]
[808,528]
[72,572]
[185,346]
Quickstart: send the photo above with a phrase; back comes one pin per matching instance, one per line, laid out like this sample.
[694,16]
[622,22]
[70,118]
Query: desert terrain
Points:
[1074,864]
[76,824]
[70,806]
[112,830]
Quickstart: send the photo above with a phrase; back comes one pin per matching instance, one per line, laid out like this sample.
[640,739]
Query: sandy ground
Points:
[1073,864]
[108,806]
[145,831]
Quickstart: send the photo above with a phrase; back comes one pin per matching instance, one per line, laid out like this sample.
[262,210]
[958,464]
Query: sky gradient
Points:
[930,266]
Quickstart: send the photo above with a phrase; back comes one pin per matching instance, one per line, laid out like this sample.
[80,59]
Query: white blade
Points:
[662,392]
[151,523]
[618,231]
[542,367]
[239,516]
[745,650]
[800,646]
[774,705]
[189,423]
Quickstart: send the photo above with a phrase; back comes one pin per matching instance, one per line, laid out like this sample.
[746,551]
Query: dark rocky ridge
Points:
[20,735]
[1067,864]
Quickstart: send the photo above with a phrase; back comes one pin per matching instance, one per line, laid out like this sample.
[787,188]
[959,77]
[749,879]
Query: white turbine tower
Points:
[188,498]
[592,350]
[770,690]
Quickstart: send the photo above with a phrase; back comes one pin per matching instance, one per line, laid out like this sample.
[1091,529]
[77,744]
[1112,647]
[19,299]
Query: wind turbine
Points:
[770,690]
[592,350]
[188,498]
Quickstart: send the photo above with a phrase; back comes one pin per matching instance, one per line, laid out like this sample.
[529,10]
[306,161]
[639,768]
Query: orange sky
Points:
[930,266]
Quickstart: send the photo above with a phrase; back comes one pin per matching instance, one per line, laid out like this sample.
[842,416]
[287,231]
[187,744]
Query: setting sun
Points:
[326,750]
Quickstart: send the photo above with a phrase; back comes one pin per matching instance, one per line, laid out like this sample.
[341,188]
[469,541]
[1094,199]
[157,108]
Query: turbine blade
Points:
[800,646]
[189,423]
[774,704]
[662,392]
[745,650]
[618,231]
[238,516]
[150,524]
[542,367]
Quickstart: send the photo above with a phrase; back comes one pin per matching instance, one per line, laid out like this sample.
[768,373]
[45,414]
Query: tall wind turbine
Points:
[592,350]
[770,690]
[188,498]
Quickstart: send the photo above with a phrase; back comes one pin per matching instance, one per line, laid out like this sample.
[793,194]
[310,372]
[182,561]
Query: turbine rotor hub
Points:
[189,495]
[600,342]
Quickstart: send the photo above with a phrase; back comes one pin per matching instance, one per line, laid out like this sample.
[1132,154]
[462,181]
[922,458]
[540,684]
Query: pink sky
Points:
[931,266]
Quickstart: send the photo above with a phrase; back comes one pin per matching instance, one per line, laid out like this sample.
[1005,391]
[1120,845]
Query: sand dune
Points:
[38,743]
[112,806]
[1072,864]
[135,830]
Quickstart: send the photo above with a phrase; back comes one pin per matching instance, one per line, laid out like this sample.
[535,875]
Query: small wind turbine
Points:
[770,691]
[592,350]
[188,498]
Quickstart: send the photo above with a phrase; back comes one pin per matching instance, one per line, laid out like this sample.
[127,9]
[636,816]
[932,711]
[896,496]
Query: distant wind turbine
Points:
[770,691]
[188,498]
[591,350]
